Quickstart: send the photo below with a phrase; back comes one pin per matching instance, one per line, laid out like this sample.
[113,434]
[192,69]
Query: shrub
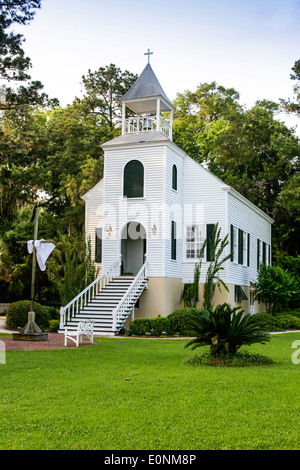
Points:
[275,287]
[139,326]
[53,312]
[224,329]
[158,325]
[177,321]
[17,315]
[53,325]
[277,322]
[154,326]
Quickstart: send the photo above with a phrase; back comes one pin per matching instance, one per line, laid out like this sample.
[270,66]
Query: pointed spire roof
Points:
[141,97]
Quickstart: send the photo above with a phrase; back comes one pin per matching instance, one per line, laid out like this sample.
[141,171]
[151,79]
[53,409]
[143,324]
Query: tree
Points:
[103,90]
[71,268]
[14,65]
[294,106]
[23,143]
[249,150]
[275,287]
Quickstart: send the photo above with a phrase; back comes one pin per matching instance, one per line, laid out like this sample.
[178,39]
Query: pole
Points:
[33,274]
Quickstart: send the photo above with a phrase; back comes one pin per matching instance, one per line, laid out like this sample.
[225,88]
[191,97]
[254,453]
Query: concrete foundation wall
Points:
[163,296]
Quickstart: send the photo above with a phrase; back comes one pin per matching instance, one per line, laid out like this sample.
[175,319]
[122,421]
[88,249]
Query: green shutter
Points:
[264,257]
[209,244]
[173,240]
[241,247]
[248,250]
[231,242]
[258,244]
[133,179]
[174,177]
[98,245]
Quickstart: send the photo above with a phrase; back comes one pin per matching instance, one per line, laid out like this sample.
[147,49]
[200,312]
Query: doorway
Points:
[133,248]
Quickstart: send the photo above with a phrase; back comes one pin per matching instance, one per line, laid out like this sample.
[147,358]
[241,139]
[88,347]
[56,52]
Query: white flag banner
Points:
[43,250]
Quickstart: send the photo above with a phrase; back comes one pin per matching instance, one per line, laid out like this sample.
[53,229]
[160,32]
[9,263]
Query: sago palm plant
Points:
[224,329]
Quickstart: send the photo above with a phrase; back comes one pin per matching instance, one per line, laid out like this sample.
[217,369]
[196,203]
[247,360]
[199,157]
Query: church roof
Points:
[137,137]
[147,86]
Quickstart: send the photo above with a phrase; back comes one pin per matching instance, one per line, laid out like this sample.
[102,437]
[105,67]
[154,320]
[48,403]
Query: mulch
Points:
[54,341]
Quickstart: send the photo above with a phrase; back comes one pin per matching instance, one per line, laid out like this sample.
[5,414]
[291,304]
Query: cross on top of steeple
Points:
[148,54]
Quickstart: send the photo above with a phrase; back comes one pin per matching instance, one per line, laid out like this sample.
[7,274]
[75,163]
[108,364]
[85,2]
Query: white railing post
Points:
[62,317]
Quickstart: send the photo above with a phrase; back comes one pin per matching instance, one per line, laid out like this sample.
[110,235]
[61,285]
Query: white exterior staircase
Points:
[108,301]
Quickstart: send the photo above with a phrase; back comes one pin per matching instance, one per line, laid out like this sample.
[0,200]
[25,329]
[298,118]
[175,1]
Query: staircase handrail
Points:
[129,294]
[88,293]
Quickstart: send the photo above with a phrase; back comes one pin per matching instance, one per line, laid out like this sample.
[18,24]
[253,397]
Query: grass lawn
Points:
[78,398]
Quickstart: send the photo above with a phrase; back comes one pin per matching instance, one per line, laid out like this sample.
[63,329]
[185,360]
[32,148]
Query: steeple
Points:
[147,100]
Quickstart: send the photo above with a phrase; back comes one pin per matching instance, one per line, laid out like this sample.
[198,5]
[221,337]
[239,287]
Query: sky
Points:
[248,45]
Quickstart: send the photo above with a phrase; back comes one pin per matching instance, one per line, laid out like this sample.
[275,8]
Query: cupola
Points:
[148,101]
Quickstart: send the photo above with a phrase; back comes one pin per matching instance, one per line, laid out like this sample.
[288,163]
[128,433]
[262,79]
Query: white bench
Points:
[85,328]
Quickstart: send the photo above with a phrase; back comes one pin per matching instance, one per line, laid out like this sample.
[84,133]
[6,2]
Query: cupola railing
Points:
[147,124]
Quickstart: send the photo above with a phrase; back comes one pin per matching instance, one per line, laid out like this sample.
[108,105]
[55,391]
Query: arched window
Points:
[174,177]
[133,179]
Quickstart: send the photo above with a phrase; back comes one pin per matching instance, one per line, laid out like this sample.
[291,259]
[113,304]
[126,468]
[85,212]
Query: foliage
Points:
[53,325]
[213,279]
[178,320]
[150,326]
[160,325]
[294,106]
[277,322]
[240,359]
[190,295]
[103,90]
[291,264]
[17,315]
[275,287]
[14,65]
[139,326]
[224,329]
[250,150]
[71,268]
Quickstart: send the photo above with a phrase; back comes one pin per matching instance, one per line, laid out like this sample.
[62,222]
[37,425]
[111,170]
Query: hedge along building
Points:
[155,206]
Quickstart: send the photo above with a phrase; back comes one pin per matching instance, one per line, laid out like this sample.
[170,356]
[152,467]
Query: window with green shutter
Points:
[173,240]
[133,179]
[174,177]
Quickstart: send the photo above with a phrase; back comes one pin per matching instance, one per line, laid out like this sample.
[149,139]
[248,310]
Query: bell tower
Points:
[148,101]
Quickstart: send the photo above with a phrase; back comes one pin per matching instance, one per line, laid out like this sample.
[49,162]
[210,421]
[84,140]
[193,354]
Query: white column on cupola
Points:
[158,115]
[123,118]
[171,125]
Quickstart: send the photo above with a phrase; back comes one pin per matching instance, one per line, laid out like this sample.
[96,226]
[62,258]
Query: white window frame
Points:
[235,244]
[260,258]
[194,242]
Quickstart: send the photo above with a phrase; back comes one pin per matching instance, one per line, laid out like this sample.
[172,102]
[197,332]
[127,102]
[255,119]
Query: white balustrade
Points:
[146,124]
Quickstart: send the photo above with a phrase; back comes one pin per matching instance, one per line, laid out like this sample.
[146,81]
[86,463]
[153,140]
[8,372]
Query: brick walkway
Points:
[54,341]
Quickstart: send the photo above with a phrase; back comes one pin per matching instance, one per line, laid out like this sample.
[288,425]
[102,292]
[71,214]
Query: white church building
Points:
[149,215]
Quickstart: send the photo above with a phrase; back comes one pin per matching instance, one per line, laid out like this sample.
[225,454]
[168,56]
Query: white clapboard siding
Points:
[247,217]
[93,213]
[118,211]
[174,210]
[205,195]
